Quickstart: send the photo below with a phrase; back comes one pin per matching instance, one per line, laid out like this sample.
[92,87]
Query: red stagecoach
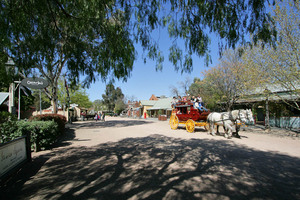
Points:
[185,113]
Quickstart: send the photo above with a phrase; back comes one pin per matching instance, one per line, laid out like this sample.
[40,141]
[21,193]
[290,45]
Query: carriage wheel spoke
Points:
[190,125]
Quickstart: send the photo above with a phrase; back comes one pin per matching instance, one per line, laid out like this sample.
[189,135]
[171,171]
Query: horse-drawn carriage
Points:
[185,113]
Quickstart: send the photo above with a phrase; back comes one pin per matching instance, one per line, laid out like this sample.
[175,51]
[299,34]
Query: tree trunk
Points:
[53,98]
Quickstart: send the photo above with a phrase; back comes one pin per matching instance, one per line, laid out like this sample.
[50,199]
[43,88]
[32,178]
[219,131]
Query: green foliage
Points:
[7,73]
[279,67]
[7,126]
[43,129]
[59,119]
[160,112]
[6,116]
[97,39]
[81,98]
[208,93]
[111,96]
[42,133]
[45,100]
[98,105]
[119,106]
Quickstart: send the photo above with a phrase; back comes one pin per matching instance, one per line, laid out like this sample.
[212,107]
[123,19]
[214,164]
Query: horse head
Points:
[249,115]
[239,115]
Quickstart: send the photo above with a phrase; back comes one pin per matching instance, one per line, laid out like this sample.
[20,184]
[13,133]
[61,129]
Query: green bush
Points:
[7,126]
[59,119]
[6,116]
[42,133]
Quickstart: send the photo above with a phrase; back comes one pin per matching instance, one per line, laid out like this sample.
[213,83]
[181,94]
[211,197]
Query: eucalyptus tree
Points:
[111,96]
[50,38]
[208,93]
[280,67]
[77,95]
[229,79]
[96,38]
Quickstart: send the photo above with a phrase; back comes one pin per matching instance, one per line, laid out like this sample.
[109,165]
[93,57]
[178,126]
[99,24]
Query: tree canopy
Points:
[112,96]
[96,38]
[280,66]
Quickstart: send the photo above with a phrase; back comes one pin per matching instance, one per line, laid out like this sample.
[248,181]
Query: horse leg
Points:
[237,129]
[228,133]
[212,128]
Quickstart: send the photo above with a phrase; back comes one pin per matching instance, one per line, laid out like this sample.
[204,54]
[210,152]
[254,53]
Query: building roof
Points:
[276,88]
[162,104]
[148,102]
[274,92]
[3,97]
[153,97]
[271,97]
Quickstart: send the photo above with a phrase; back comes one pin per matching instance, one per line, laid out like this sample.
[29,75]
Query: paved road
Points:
[143,159]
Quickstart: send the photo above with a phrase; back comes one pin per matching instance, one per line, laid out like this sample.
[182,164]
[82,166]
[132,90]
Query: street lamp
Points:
[11,69]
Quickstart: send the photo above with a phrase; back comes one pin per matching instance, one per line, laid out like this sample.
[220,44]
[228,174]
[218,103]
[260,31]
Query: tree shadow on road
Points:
[158,167]
[110,123]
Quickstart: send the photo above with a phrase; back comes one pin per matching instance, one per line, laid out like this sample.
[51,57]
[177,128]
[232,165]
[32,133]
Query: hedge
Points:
[59,119]
[43,129]
[42,133]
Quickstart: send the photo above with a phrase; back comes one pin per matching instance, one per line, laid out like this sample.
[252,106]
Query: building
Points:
[133,109]
[156,106]
[279,101]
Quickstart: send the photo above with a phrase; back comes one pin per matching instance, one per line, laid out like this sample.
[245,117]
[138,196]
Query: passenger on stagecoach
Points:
[174,102]
[179,98]
[193,99]
[200,104]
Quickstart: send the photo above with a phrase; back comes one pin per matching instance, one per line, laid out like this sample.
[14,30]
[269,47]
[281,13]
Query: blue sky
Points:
[145,80]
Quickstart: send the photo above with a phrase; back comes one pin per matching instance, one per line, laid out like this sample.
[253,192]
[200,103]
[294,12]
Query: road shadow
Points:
[160,167]
[109,123]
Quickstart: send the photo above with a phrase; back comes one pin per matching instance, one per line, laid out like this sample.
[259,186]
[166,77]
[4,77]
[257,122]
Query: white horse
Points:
[249,115]
[227,120]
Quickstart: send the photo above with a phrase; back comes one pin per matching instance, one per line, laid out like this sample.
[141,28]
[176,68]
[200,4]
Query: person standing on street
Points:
[103,117]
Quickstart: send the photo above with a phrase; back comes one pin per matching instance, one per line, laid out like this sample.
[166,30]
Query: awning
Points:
[3,97]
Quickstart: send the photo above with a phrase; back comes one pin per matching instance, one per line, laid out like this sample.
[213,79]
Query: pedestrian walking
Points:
[96,117]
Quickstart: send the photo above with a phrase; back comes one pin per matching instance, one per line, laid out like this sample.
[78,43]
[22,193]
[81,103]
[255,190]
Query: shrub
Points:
[7,126]
[59,119]
[42,133]
[6,116]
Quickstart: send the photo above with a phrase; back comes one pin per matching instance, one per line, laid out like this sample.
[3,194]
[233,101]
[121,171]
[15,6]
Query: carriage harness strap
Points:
[230,117]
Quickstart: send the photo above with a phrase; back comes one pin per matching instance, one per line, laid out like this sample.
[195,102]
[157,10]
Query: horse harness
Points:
[230,117]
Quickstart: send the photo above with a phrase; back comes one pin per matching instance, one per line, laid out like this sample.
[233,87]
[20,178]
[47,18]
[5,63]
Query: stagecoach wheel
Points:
[174,122]
[190,125]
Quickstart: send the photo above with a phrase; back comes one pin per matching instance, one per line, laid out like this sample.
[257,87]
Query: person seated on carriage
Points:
[194,100]
[174,102]
[199,104]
